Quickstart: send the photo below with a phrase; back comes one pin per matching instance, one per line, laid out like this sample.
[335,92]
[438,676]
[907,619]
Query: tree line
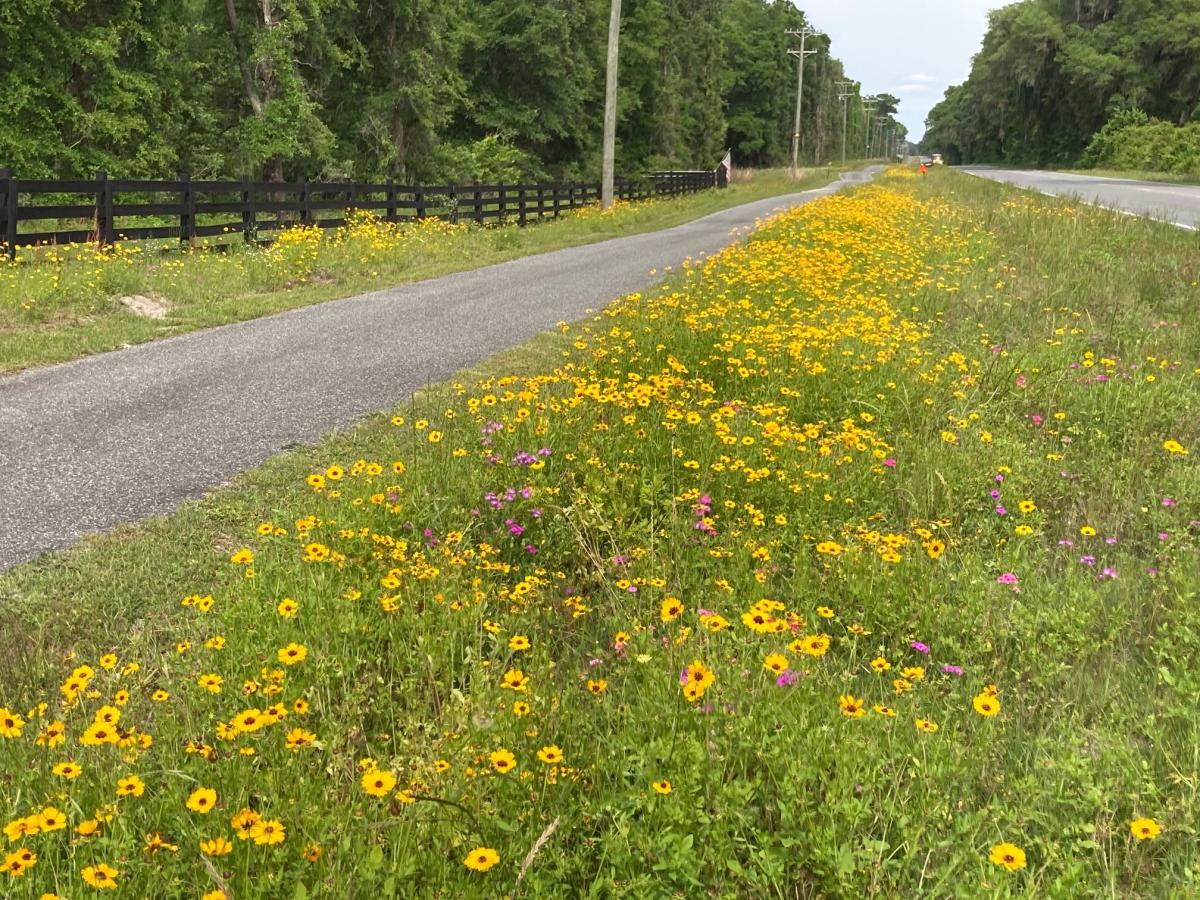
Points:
[418,90]
[1051,73]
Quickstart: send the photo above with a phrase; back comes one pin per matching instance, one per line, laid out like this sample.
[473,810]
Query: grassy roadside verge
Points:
[63,303]
[859,560]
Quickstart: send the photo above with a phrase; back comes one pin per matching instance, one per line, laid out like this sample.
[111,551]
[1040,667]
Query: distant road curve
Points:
[1178,204]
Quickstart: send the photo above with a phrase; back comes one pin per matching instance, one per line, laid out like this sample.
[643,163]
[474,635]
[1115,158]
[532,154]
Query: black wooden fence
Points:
[105,210]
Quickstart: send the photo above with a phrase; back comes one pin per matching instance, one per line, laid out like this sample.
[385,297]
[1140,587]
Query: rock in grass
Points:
[146,307]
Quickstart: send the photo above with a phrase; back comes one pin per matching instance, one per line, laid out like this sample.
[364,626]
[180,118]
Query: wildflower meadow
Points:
[861,559]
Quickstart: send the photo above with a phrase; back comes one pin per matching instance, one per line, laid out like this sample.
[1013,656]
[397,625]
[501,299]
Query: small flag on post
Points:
[725,169]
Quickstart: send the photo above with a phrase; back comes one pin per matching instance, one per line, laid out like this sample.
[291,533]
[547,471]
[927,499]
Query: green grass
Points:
[831,402]
[60,304]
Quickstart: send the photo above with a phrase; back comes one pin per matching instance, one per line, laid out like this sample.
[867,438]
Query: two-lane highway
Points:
[1178,204]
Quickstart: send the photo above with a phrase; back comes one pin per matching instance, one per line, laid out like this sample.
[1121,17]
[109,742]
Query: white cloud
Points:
[914,89]
[929,79]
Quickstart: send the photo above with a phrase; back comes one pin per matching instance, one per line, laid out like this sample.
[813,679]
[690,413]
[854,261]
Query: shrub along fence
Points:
[105,210]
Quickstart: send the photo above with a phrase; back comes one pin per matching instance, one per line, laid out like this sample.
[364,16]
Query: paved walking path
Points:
[133,433]
[1178,204]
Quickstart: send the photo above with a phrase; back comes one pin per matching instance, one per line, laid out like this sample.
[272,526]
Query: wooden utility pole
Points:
[804,34]
[610,107]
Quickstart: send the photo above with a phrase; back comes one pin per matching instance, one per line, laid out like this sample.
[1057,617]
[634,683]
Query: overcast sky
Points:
[914,49]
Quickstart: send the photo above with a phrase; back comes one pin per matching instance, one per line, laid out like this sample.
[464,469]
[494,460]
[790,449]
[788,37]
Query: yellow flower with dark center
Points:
[10,724]
[986,705]
[287,607]
[776,662]
[670,609]
[52,735]
[814,645]
[825,612]
[202,800]
[1175,447]
[298,738]
[926,725]
[1008,856]
[661,787]
[243,821]
[481,859]
[24,827]
[18,862]
[211,683]
[515,680]
[292,654]
[88,828]
[441,766]
[518,643]
[1027,506]
[934,548]
[551,754]
[51,819]
[156,842]
[597,686]
[1145,829]
[520,708]
[216,847]
[101,876]
[879,664]
[130,786]
[249,721]
[267,832]
[68,770]
[503,761]
[851,706]
[830,548]
[885,710]
[378,783]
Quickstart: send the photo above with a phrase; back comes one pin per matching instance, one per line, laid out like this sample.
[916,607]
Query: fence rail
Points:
[106,210]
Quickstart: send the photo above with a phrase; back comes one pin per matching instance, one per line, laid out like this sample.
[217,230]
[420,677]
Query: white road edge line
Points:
[1078,199]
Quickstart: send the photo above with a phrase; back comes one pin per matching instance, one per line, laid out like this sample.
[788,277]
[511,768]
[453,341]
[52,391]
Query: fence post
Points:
[104,223]
[541,189]
[249,223]
[452,202]
[8,212]
[521,205]
[502,203]
[187,218]
[478,207]
[305,207]
[419,201]
[391,200]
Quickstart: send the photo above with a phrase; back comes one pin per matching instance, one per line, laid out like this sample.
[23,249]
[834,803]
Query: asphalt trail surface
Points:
[1178,204]
[125,435]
